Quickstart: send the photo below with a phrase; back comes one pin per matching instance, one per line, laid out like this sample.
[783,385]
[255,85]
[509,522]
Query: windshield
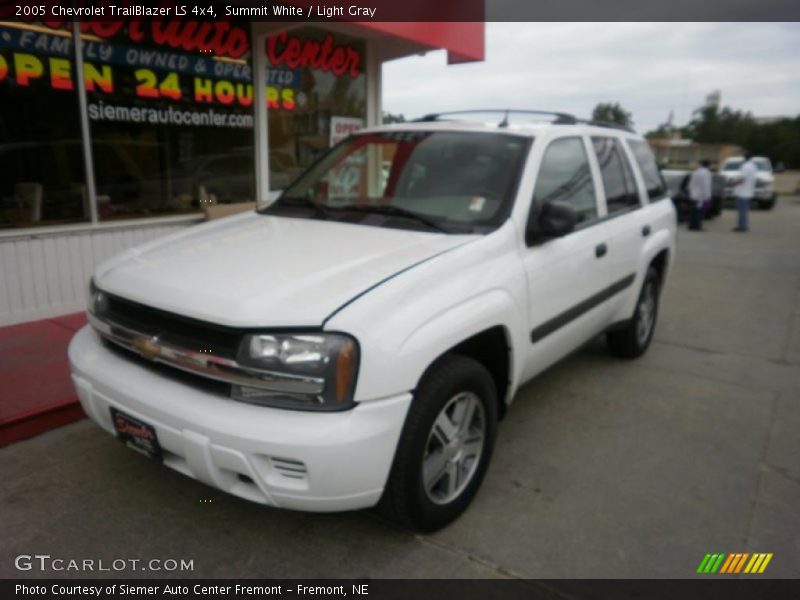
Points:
[732,165]
[456,182]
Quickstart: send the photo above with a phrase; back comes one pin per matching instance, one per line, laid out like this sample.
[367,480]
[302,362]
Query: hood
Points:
[731,176]
[267,271]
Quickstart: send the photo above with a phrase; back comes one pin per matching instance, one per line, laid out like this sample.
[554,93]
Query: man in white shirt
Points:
[745,191]
[699,194]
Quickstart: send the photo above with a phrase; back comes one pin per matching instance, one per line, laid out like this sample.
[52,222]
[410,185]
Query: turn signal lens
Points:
[345,369]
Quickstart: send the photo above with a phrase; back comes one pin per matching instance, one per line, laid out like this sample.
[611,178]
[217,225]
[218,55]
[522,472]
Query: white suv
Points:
[356,342]
[765,195]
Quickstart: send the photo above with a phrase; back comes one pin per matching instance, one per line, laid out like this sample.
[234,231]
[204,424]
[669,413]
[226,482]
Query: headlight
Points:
[331,358]
[97,301]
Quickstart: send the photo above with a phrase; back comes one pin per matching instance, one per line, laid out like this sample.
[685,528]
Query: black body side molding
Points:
[557,322]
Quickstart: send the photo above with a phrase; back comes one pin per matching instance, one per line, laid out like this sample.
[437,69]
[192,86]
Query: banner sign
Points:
[36,57]
[129,56]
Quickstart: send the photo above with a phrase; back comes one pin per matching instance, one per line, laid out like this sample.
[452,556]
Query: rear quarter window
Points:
[648,167]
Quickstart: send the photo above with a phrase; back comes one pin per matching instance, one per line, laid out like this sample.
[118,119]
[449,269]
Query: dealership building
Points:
[135,131]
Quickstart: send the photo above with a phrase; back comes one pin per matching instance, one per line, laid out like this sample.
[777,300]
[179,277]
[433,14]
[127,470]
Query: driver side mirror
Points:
[554,219]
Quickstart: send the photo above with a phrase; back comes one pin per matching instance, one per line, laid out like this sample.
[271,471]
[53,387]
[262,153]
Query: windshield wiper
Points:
[394,211]
[304,202]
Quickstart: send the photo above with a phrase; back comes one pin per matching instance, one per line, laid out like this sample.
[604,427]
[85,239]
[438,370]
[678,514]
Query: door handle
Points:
[645,230]
[600,250]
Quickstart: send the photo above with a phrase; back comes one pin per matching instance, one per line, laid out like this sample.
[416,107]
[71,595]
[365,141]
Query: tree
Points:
[391,118]
[778,139]
[612,112]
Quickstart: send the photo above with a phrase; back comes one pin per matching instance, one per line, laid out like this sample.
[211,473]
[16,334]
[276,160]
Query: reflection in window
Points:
[618,179]
[647,165]
[42,175]
[461,178]
[564,176]
[166,140]
[312,102]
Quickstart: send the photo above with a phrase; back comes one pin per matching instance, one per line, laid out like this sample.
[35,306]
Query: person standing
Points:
[745,191]
[699,194]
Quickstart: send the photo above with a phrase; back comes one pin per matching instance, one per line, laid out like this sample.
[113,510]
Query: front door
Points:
[567,277]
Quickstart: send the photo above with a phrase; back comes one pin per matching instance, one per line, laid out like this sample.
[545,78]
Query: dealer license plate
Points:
[135,434]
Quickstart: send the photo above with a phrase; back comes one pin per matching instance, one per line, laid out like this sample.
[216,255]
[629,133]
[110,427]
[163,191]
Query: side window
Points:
[647,165]
[618,180]
[564,176]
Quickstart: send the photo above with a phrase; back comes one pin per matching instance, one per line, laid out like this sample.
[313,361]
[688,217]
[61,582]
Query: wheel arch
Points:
[493,349]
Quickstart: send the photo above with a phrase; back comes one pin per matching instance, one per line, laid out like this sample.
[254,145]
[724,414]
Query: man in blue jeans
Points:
[745,191]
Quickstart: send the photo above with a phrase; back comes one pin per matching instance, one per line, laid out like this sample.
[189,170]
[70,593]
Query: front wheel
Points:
[445,447]
[634,338]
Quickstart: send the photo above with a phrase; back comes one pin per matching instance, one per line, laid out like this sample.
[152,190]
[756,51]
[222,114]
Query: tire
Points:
[451,384]
[633,339]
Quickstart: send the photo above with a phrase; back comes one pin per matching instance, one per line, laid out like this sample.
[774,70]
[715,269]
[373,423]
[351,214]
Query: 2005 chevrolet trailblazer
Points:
[356,342]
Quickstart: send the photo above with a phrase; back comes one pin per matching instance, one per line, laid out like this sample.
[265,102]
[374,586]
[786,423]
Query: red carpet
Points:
[36,392]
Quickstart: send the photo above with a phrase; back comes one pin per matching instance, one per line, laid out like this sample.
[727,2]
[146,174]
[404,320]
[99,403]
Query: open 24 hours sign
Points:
[217,74]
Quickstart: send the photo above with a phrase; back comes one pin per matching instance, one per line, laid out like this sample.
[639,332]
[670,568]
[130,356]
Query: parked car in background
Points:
[677,181]
[355,342]
[765,182]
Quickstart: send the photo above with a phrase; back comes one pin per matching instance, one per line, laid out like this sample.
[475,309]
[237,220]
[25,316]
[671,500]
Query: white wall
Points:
[46,274]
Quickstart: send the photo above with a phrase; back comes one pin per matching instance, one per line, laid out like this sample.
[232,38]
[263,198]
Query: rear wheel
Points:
[632,340]
[445,447]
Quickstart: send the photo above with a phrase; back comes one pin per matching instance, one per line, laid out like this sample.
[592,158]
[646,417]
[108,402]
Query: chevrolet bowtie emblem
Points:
[148,347]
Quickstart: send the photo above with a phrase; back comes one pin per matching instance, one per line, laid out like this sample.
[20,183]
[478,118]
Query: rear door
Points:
[625,218]
[566,276]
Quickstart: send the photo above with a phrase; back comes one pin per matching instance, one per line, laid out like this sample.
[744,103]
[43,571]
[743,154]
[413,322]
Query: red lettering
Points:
[337,63]
[244,93]
[294,53]
[238,43]
[224,92]
[203,90]
[287,97]
[272,98]
[354,59]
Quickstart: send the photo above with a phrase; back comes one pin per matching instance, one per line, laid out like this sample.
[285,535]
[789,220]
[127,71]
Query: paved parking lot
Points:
[603,468]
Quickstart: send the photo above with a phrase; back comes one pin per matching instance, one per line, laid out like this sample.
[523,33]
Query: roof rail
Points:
[608,124]
[560,118]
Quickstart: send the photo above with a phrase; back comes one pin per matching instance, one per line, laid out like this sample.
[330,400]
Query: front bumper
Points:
[290,459]
[759,194]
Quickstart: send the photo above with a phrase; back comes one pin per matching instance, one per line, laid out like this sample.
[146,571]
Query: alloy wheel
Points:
[454,448]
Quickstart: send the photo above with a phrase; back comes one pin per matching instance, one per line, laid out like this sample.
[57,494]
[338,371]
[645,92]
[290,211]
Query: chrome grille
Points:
[171,340]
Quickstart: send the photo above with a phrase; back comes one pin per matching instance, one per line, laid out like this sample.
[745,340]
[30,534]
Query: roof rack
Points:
[559,118]
[608,124]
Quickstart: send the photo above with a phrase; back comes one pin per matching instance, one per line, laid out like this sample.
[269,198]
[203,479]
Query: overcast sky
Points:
[649,68]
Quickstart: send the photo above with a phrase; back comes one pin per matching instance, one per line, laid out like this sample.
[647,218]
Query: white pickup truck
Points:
[356,342]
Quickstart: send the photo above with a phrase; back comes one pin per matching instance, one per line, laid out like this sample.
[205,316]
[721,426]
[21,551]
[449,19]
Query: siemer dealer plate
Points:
[135,434]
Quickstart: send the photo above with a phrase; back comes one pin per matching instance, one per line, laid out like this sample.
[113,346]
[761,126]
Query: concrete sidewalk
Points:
[603,468]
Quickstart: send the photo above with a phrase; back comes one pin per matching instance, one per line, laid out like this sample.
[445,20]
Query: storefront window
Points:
[172,131]
[42,174]
[316,96]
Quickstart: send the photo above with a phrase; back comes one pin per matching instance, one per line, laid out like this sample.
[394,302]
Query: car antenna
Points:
[504,122]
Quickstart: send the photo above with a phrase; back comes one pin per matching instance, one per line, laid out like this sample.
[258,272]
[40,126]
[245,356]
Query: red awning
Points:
[464,41]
